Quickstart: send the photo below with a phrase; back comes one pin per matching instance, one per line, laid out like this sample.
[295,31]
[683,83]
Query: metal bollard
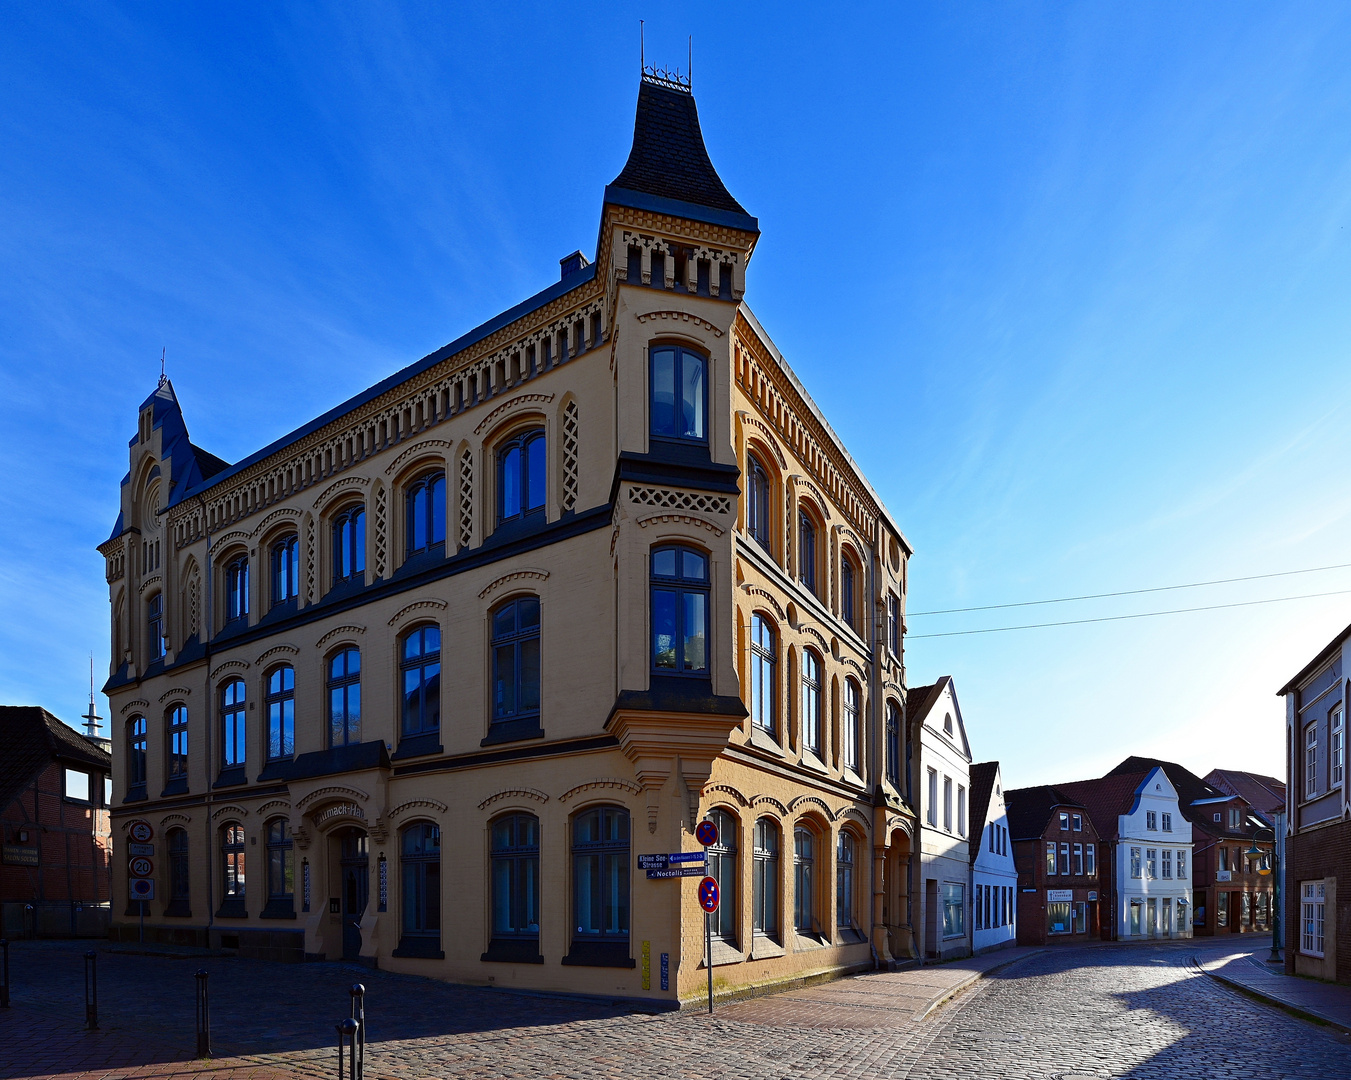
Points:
[203,1015]
[4,973]
[31,917]
[348,1030]
[91,990]
[358,993]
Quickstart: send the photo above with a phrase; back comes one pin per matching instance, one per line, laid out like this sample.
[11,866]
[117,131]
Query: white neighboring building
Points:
[1149,894]
[944,792]
[994,877]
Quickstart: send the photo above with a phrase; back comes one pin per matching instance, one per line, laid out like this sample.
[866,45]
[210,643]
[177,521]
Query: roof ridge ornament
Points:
[670,78]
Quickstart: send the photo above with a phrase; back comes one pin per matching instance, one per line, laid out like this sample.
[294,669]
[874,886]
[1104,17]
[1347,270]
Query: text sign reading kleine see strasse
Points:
[675,865]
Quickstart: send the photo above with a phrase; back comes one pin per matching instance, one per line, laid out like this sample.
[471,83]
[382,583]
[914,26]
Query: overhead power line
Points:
[1138,615]
[1127,592]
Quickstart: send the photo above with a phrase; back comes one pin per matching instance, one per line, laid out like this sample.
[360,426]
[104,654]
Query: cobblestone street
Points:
[1096,1012]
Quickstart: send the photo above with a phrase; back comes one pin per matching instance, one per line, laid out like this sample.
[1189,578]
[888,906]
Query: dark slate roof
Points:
[207,462]
[669,158]
[918,699]
[1263,793]
[1030,808]
[1190,788]
[1314,664]
[31,739]
[982,786]
[1106,799]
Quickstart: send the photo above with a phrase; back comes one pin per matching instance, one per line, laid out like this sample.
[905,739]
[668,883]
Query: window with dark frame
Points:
[281,877]
[177,740]
[349,543]
[811,701]
[420,861]
[154,625]
[806,550]
[679,394]
[600,877]
[425,513]
[232,857]
[894,755]
[344,698]
[136,729]
[847,591]
[237,588]
[176,840]
[804,882]
[285,563]
[420,667]
[680,603]
[233,724]
[522,476]
[844,881]
[765,879]
[515,878]
[759,503]
[852,732]
[722,867]
[764,664]
[281,713]
[516,660]
[894,623]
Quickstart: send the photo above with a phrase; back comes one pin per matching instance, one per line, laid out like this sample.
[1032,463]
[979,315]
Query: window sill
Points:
[275,770]
[802,942]
[505,731]
[178,909]
[418,746]
[765,947]
[136,794]
[177,786]
[231,777]
[232,909]
[505,951]
[764,740]
[611,954]
[419,948]
[278,909]
[724,952]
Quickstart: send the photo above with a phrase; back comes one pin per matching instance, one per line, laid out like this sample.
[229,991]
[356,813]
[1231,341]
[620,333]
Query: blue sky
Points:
[1071,281]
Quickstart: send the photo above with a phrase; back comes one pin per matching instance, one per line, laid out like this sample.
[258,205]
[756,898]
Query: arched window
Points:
[281,871]
[764,661]
[765,879]
[136,758]
[176,740]
[894,744]
[804,881]
[811,701]
[679,611]
[421,862]
[281,713]
[521,475]
[284,557]
[600,881]
[349,543]
[176,840]
[421,667]
[806,550]
[515,888]
[344,698]
[237,588]
[425,512]
[847,588]
[679,394]
[759,503]
[232,866]
[851,732]
[722,868]
[516,660]
[844,881]
[154,627]
[234,724]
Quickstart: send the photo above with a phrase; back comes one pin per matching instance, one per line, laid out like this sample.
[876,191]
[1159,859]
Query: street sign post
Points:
[708,900]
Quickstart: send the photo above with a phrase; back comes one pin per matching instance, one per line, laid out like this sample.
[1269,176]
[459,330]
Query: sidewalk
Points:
[885,999]
[1247,970]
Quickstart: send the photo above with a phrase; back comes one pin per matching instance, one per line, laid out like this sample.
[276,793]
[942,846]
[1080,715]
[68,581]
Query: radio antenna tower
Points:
[92,720]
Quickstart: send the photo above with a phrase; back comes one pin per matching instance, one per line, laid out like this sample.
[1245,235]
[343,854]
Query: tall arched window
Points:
[722,867]
[515,644]
[234,724]
[844,881]
[851,731]
[281,713]
[232,870]
[344,698]
[847,589]
[425,512]
[521,475]
[515,888]
[176,840]
[136,758]
[811,701]
[281,870]
[237,588]
[421,867]
[154,627]
[679,394]
[600,880]
[679,611]
[764,663]
[284,557]
[804,881]
[806,550]
[765,879]
[759,503]
[349,543]
[420,665]
[176,745]
[894,744]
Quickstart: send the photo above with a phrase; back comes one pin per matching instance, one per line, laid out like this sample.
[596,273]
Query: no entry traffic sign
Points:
[706,833]
[708,894]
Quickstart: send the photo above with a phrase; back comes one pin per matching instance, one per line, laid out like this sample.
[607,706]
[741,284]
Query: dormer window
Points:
[679,393]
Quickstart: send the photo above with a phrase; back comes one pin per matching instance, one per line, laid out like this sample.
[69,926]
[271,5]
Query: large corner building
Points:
[420,681]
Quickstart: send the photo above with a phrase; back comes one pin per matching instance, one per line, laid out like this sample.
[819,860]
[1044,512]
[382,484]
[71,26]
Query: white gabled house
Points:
[994,877]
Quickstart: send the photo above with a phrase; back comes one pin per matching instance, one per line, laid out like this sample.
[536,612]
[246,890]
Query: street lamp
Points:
[1256,852]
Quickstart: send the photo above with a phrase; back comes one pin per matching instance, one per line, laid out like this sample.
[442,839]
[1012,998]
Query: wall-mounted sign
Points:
[1059,896]
[1224,875]
[141,831]
[384,884]
[19,856]
[305,885]
[140,849]
[1092,896]
[342,809]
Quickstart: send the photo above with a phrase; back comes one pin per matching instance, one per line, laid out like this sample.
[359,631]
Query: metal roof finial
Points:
[162,377]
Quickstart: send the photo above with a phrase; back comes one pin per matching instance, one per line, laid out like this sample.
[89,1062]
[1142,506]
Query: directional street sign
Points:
[708,894]
[689,870]
[675,865]
[706,833]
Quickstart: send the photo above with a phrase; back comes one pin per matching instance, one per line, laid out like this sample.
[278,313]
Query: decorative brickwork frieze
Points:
[680,500]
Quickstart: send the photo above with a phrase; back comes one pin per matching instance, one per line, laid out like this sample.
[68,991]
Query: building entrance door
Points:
[1151,917]
[356,880]
[1166,916]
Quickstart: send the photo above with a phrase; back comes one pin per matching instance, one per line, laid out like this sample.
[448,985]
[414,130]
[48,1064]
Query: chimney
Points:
[570,264]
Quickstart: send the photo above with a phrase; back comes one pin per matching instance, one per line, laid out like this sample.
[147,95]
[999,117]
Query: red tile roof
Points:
[1106,799]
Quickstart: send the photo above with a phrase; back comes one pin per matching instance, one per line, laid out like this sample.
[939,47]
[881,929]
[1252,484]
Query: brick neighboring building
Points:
[1230,894]
[1264,794]
[1317,892]
[55,846]
[1056,850]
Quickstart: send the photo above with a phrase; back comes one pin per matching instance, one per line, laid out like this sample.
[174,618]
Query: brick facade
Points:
[1321,854]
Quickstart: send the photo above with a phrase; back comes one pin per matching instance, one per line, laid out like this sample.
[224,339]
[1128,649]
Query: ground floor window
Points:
[1222,909]
[1134,923]
[1311,915]
[765,879]
[600,876]
[421,857]
[1081,918]
[954,910]
[1058,918]
[1263,909]
[515,885]
[1245,908]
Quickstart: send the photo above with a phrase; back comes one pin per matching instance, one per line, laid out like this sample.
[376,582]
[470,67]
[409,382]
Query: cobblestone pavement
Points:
[1106,1011]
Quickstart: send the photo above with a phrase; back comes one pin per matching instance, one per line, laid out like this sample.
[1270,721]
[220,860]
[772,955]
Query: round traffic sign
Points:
[706,833]
[141,866]
[142,887]
[708,894]
[140,831]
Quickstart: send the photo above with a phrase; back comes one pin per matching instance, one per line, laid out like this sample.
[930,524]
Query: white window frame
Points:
[1090,859]
[1312,917]
[961,809]
[947,804]
[1311,759]
[1337,744]
[1136,863]
[1151,821]
[1167,865]
[1182,864]
[1167,822]
[1152,864]
[933,798]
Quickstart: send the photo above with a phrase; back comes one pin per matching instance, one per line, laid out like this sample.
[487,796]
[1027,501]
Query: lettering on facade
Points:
[337,810]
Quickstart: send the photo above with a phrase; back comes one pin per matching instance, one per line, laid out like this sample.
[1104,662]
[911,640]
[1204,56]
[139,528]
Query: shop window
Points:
[1312,917]
[954,910]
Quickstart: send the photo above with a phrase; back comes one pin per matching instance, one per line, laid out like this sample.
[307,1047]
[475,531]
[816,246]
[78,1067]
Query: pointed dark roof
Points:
[1191,789]
[32,739]
[1264,793]
[669,159]
[982,787]
[1030,808]
[918,699]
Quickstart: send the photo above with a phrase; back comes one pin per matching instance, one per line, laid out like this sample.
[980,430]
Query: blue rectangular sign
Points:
[688,856]
[697,870]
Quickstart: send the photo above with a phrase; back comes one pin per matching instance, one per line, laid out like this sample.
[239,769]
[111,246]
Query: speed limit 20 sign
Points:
[141,867]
